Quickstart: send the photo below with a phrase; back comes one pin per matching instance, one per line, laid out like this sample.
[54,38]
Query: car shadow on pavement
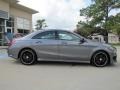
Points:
[53,63]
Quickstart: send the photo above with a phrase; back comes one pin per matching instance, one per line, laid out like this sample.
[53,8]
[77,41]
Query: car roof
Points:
[42,30]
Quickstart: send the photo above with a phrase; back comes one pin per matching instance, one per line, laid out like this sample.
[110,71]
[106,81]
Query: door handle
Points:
[38,42]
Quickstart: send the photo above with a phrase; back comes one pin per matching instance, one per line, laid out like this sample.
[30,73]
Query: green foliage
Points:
[97,15]
[84,29]
[114,24]
[115,44]
[41,24]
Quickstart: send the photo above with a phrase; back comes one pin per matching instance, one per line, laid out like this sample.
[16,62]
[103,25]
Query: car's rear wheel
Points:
[100,59]
[27,57]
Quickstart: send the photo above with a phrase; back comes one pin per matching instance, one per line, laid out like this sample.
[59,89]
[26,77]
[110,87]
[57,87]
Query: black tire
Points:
[28,57]
[100,59]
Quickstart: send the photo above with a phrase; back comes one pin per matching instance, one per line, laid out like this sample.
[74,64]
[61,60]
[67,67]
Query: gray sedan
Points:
[60,45]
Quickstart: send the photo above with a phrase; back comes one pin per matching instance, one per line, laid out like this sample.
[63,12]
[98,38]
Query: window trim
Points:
[47,38]
[66,39]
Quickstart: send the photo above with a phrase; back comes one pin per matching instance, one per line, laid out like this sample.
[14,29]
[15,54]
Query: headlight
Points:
[115,49]
[111,48]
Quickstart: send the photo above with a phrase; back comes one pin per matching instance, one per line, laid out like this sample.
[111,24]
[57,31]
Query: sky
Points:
[59,14]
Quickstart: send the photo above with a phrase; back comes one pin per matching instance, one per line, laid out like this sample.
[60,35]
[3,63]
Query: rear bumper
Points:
[12,53]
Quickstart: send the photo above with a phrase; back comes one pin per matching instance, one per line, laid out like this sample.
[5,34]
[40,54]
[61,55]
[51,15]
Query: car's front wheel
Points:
[27,57]
[100,59]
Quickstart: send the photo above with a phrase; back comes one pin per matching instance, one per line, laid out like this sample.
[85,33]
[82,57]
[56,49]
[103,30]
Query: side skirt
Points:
[77,61]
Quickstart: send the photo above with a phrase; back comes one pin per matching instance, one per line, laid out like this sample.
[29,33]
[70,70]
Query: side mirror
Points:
[82,40]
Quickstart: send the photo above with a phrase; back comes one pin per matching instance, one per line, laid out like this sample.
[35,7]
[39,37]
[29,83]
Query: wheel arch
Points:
[24,49]
[100,51]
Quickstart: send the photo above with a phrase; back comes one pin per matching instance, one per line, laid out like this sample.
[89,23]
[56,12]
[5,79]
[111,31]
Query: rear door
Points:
[46,45]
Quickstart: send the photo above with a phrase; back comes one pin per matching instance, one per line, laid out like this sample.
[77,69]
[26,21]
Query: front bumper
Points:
[113,57]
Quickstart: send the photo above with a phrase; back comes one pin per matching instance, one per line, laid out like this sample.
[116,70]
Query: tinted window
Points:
[45,35]
[63,35]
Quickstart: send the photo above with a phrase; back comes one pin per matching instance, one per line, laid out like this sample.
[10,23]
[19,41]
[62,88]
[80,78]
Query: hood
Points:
[98,43]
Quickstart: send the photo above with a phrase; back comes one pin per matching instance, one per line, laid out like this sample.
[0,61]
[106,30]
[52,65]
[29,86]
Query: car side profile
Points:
[60,45]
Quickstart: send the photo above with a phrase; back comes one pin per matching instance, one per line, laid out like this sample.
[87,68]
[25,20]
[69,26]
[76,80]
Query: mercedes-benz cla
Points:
[60,45]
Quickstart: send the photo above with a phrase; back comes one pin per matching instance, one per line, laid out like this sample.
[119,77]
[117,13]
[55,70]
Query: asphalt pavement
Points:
[57,76]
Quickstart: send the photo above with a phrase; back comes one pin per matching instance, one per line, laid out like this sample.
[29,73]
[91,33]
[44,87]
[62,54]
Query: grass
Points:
[115,44]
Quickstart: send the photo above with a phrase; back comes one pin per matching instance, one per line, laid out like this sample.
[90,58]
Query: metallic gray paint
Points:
[59,50]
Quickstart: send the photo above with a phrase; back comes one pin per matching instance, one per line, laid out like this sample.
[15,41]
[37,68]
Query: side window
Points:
[63,35]
[45,35]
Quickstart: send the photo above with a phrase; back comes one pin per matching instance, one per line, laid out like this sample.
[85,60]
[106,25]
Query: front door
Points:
[70,47]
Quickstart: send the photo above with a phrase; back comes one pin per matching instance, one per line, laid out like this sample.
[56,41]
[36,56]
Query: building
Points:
[14,18]
[113,38]
[98,38]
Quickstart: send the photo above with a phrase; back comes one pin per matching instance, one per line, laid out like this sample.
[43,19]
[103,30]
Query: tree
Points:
[41,24]
[97,14]
[84,29]
[114,23]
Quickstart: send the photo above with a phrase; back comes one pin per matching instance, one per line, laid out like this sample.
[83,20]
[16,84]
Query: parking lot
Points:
[57,76]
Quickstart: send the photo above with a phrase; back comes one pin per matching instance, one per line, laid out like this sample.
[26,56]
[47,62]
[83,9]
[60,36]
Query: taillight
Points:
[11,43]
